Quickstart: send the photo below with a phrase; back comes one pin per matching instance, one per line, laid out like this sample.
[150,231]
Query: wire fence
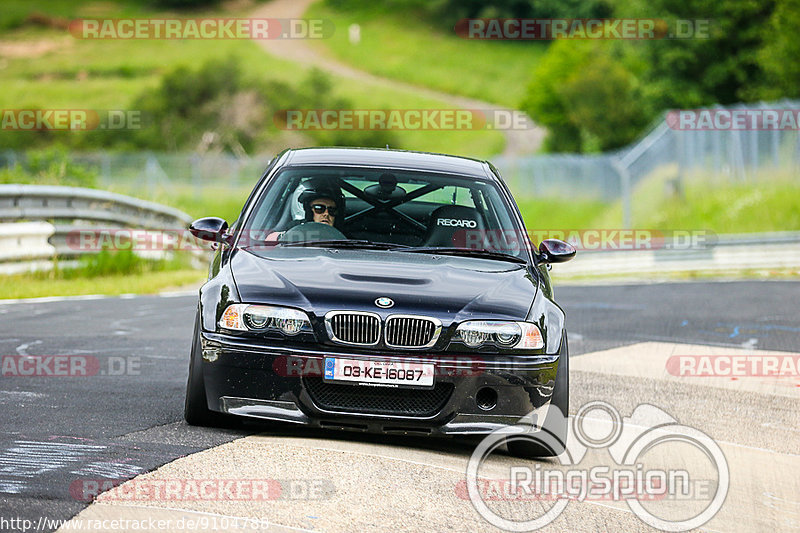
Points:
[146,171]
[665,158]
[669,156]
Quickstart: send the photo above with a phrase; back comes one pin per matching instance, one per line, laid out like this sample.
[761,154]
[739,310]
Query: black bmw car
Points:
[380,291]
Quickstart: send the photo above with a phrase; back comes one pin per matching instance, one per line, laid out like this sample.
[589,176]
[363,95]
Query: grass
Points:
[110,74]
[767,202]
[405,48]
[559,213]
[15,12]
[740,208]
[35,285]
[108,272]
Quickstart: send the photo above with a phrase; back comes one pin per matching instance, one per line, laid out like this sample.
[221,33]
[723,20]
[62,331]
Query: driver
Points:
[321,204]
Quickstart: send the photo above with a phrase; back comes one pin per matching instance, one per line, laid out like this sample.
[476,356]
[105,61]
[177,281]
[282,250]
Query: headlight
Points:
[247,317]
[517,335]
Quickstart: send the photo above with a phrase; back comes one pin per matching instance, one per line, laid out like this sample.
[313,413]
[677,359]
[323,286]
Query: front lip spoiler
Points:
[282,411]
[267,409]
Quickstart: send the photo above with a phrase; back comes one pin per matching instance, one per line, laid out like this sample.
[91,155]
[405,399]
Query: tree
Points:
[586,97]
[780,55]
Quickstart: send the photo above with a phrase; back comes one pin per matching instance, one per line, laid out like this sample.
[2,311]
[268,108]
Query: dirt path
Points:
[518,142]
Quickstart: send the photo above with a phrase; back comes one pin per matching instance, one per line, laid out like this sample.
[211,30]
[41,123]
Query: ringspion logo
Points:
[640,469]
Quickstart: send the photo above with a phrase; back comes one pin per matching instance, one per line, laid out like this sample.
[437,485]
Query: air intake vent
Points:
[350,327]
[378,400]
[407,331]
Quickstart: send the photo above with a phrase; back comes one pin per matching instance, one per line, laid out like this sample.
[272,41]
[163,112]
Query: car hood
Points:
[320,280]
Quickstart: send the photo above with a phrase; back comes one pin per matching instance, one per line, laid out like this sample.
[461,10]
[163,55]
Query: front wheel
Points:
[195,409]
[551,440]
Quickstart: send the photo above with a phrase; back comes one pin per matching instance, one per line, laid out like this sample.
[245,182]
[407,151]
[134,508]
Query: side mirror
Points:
[556,251]
[211,229]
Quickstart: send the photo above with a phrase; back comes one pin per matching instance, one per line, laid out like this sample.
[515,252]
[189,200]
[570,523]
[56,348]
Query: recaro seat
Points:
[452,226]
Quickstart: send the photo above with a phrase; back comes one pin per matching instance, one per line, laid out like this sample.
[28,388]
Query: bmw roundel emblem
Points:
[384,302]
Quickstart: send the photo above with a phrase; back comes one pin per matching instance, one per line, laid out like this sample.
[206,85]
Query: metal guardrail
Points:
[731,252]
[36,221]
[48,202]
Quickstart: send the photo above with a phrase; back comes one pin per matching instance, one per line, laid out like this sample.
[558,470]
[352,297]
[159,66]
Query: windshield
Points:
[369,206]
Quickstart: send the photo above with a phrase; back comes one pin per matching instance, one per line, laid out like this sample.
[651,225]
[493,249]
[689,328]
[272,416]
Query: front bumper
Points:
[247,377]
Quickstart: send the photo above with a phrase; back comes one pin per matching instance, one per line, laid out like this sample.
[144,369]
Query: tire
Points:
[552,440]
[195,409]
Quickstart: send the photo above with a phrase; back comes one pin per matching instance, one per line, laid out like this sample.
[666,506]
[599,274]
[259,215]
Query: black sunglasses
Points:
[321,208]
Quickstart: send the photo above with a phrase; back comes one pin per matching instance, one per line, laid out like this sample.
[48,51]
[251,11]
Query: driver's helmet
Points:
[317,190]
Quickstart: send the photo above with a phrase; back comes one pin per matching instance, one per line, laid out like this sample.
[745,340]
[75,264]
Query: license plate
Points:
[371,372]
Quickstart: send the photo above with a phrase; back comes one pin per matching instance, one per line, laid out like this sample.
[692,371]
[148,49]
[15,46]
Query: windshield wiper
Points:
[346,243]
[443,250]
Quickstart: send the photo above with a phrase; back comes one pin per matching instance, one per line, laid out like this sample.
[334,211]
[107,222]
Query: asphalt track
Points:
[126,419]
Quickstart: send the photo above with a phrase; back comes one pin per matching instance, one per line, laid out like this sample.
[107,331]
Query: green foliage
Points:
[55,13]
[217,105]
[184,4]
[553,214]
[107,263]
[50,166]
[120,262]
[780,56]
[52,283]
[445,13]
[586,97]
[698,71]
[496,71]
[188,104]
[738,208]
[599,95]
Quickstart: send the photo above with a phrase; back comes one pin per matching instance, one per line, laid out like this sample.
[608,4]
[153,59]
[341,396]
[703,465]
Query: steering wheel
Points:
[312,231]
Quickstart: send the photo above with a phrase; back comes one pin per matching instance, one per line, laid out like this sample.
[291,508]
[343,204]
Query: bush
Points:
[217,106]
[586,97]
[184,4]
[446,13]
[780,56]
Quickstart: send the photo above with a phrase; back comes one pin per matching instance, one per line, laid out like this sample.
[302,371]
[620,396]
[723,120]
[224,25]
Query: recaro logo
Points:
[457,222]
